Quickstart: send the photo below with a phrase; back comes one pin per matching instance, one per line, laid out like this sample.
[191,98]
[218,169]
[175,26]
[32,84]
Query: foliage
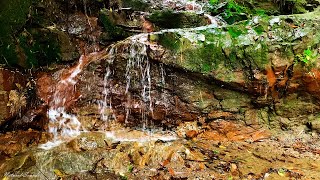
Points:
[231,7]
[233,11]
[235,32]
[130,168]
[307,58]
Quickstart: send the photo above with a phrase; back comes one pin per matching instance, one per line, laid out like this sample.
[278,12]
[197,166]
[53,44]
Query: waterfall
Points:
[62,125]
[138,75]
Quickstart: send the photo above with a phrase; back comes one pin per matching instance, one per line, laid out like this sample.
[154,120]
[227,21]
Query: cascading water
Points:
[105,105]
[137,78]
[138,69]
[61,124]
[64,126]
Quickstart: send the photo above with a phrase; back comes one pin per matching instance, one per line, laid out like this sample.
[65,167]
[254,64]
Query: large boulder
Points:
[254,71]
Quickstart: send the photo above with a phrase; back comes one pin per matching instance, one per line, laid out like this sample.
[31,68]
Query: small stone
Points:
[191,134]
[121,118]
[233,167]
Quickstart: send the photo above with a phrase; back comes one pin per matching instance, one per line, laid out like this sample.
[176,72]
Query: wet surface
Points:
[128,112]
[212,154]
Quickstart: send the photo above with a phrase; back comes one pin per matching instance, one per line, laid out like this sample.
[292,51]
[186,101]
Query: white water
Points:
[139,136]
[138,76]
[105,105]
[63,126]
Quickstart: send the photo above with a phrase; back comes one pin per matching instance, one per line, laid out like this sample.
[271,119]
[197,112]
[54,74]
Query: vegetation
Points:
[230,10]
[307,58]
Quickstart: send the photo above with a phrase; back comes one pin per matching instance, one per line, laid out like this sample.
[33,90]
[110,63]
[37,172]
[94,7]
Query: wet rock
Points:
[188,128]
[191,134]
[13,94]
[119,24]
[167,19]
[12,20]
[13,143]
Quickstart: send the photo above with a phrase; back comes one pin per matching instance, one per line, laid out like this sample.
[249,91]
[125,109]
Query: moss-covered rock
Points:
[27,36]
[114,23]
[167,19]
[13,16]
[244,48]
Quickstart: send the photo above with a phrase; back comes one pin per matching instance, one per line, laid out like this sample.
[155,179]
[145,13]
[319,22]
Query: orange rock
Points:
[201,166]
[171,171]
[191,134]
[213,135]
[165,162]
[219,114]
[259,135]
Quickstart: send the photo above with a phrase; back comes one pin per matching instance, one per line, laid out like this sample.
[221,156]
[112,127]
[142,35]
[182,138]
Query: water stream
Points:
[64,126]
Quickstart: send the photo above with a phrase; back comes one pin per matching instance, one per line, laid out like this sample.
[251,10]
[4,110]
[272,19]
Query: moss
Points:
[13,16]
[170,41]
[235,31]
[258,54]
[166,19]
[204,58]
[107,18]
[259,29]
[40,47]
[137,5]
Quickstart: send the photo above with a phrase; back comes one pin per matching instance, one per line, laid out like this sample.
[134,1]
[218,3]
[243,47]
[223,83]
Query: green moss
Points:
[257,54]
[40,47]
[137,5]
[161,18]
[167,19]
[13,16]
[170,41]
[204,58]
[108,20]
[259,29]
[235,32]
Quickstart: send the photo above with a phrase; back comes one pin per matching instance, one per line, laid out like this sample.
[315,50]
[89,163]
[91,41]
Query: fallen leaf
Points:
[201,166]
[171,171]
[165,162]
[281,172]
[58,173]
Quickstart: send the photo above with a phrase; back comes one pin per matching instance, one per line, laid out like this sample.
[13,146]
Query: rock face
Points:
[240,72]
[214,86]
[13,98]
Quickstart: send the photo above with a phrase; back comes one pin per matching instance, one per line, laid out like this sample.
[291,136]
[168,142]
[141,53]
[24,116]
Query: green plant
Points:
[235,32]
[307,56]
[130,168]
[233,11]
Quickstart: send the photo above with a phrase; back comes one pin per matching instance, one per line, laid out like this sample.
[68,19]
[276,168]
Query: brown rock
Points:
[213,135]
[121,118]
[191,134]
[259,135]
[12,84]
[159,113]
[219,115]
